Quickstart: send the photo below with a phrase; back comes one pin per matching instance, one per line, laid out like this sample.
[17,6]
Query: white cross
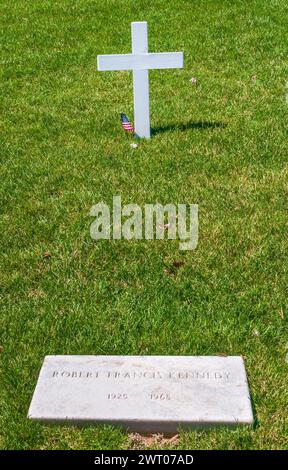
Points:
[140,61]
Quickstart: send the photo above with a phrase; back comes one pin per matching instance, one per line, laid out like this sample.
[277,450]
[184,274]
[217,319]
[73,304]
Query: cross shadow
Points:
[189,125]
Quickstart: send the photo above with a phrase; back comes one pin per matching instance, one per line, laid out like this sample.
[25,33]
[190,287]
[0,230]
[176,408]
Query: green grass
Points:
[63,150]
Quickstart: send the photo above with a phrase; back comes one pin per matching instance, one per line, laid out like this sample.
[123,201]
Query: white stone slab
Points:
[143,393]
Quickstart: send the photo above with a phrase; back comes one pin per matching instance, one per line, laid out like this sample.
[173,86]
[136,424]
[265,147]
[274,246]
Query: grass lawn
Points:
[221,144]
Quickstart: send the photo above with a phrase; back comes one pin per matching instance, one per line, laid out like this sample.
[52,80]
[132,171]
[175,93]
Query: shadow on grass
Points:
[189,125]
[255,424]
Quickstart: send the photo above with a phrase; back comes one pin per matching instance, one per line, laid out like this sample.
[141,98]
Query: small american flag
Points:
[126,124]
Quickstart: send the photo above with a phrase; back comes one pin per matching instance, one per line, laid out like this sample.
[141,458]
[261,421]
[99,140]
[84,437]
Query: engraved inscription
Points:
[117,396]
[174,375]
[160,396]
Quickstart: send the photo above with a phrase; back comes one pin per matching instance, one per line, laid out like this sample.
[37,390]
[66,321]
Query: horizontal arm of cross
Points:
[158,60]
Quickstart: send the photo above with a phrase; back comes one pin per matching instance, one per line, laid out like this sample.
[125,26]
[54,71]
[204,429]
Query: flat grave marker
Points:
[143,393]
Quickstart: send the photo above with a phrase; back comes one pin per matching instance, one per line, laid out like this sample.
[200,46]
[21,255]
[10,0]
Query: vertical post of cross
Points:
[141,81]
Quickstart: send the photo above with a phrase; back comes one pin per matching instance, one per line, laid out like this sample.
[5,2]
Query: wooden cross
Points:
[140,61]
